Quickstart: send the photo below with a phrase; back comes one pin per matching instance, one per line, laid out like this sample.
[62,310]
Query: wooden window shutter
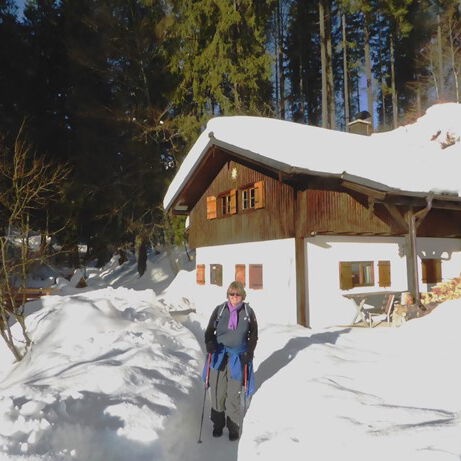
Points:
[211,210]
[256,276]
[432,270]
[233,201]
[240,273]
[438,270]
[384,268]
[424,264]
[200,274]
[345,275]
[216,274]
[260,195]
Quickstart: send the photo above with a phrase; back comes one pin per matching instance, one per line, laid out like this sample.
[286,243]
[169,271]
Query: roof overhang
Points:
[217,153]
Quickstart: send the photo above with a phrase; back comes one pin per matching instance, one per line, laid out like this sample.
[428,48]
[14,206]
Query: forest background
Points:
[100,99]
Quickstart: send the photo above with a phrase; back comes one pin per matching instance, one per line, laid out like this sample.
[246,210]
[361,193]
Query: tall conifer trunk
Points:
[345,74]
[382,82]
[368,72]
[440,59]
[393,89]
[452,32]
[323,58]
[280,59]
[330,79]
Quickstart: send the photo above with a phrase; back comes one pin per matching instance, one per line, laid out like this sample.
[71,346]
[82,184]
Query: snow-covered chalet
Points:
[304,215]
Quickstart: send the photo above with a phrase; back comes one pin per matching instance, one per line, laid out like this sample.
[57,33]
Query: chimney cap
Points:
[364,115]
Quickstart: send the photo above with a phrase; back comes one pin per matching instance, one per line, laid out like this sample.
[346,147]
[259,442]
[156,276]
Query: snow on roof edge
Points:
[404,161]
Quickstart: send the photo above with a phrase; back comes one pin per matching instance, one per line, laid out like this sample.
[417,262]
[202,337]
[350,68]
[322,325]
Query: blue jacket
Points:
[236,366]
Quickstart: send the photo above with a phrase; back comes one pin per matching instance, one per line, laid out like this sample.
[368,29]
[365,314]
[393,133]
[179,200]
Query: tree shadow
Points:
[279,359]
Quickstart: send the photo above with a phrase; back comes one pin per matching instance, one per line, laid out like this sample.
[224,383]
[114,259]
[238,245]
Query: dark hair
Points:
[238,288]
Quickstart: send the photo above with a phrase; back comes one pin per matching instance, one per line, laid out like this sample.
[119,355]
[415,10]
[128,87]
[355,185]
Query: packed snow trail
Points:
[114,376]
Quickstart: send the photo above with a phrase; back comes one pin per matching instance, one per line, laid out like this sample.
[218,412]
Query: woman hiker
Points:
[230,338]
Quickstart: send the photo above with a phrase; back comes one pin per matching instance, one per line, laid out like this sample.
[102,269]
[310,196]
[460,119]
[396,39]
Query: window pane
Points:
[362,273]
[368,275]
[355,274]
[252,198]
[245,199]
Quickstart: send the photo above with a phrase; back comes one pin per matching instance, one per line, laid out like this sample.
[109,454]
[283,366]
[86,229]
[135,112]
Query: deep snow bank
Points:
[107,370]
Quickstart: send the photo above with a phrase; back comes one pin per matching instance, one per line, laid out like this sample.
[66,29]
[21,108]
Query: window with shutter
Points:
[384,268]
[200,274]
[260,201]
[216,274]
[345,275]
[211,211]
[356,274]
[240,273]
[228,203]
[432,270]
[256,276]
[253,196]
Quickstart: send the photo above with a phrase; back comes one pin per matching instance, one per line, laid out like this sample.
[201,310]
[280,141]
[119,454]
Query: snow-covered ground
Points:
[113,375]
[114,370]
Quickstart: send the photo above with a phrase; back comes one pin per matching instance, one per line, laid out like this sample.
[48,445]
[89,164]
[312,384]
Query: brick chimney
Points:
[362,124]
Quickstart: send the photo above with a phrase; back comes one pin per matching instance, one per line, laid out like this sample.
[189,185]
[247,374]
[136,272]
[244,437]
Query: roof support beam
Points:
[396,216]
[421,214]
[373,193]
[300,262]
[414,220]
[412,257]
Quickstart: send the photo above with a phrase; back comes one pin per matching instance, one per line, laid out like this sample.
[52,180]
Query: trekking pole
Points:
[207,380]
[245,387]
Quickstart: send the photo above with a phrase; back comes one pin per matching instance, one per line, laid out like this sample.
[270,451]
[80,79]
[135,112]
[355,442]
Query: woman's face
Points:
[234,297]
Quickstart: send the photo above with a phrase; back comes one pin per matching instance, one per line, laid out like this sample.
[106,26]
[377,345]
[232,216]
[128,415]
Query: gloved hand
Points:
[246,357]
[211,347]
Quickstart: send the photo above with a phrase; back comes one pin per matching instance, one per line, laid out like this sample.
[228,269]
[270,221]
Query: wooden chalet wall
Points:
[274,221]
[441,223]
[349,213]
[320,211]
[339,212]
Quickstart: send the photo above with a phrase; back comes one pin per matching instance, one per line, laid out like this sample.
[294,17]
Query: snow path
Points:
[340,393]
[114,375]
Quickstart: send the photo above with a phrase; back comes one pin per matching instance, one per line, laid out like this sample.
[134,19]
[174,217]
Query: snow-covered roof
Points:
[409,158]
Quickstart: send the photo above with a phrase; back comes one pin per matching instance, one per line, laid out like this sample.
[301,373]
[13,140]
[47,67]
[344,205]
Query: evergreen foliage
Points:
[119,89]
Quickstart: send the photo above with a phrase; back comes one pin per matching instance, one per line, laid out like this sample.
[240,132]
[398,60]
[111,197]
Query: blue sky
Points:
[20,5]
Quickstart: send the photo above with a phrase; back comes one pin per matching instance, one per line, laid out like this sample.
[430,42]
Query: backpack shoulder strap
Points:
[220,311]
[247,309]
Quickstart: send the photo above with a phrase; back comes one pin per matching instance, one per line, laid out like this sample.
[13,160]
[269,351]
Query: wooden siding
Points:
[339,212]
[318,211]
[441,223]
[274,221]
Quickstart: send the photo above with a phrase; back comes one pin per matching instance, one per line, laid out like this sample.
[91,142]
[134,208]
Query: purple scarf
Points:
[233,317]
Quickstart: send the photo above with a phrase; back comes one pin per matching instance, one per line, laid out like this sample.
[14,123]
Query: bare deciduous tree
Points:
[28,184]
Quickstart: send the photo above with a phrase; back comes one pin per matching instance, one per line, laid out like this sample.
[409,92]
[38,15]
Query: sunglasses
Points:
[234,294]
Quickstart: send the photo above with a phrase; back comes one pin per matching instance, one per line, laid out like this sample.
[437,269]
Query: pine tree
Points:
[303,63]
[221,62]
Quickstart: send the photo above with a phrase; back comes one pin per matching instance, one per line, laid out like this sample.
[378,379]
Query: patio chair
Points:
[386,309]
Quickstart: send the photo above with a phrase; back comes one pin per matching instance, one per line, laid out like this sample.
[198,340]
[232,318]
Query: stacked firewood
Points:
[443,291]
